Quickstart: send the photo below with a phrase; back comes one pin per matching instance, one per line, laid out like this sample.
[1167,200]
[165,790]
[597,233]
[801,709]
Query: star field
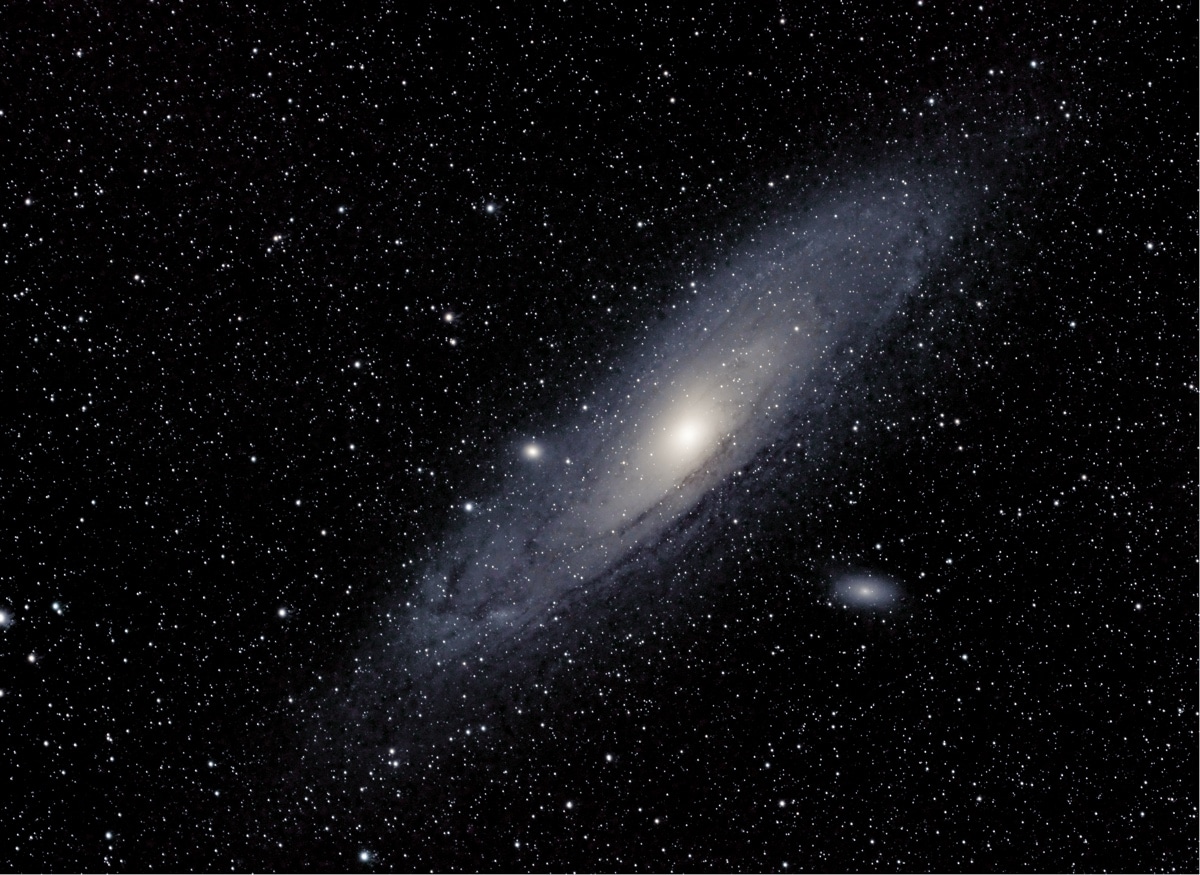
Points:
[600,438]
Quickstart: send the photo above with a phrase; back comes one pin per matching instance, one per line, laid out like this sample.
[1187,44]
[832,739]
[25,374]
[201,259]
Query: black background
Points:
[230,238]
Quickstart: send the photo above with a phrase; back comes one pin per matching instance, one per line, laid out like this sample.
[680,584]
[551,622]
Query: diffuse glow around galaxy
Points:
[699,399]
[597,511]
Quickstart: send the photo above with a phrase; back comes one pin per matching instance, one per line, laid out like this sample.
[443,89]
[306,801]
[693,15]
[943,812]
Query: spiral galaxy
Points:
[620,492]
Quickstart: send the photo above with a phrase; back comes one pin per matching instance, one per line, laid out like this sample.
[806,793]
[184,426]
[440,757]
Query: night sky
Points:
[570,436]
